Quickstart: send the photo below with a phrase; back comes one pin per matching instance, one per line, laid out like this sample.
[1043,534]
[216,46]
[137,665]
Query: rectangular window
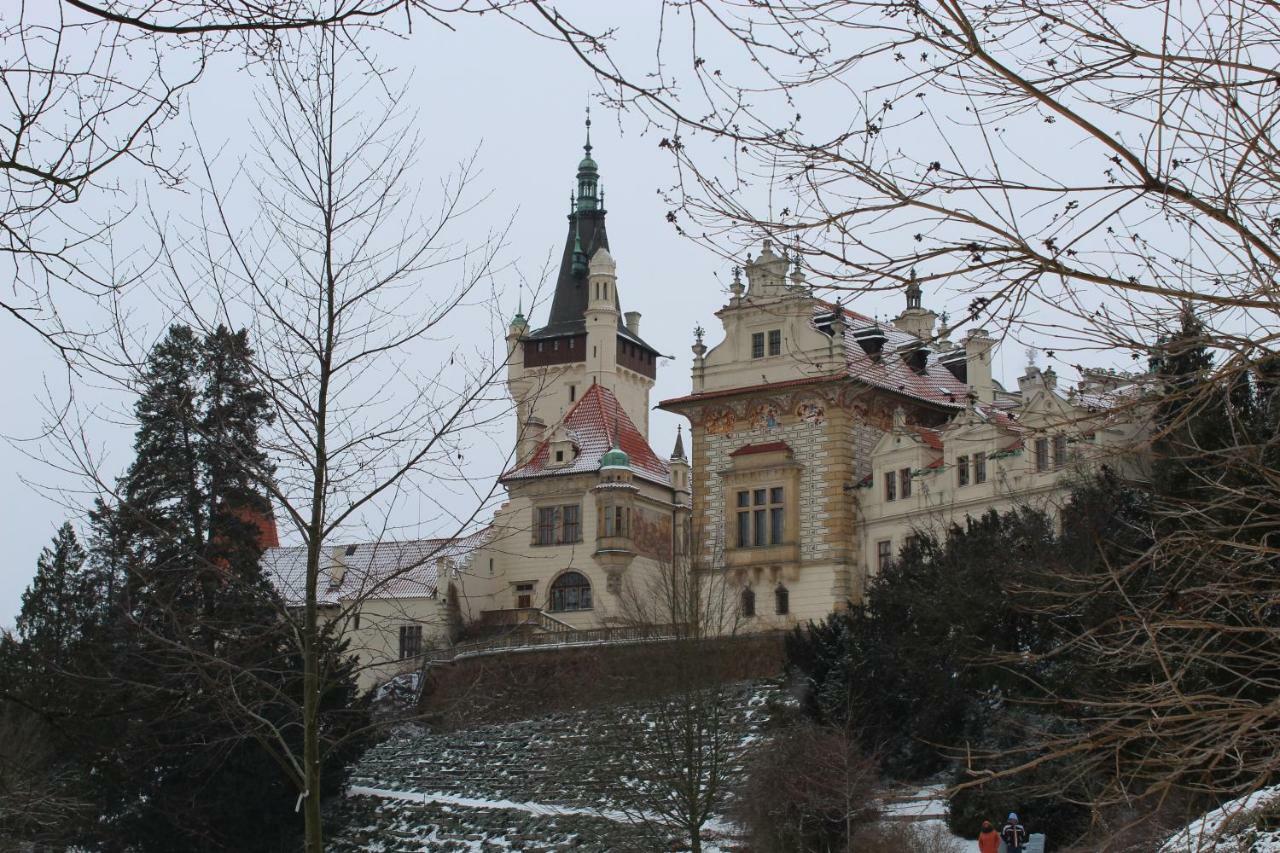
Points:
[545,530]
[757,345]
[979,467]
[776,524]
[410,641]
[615,520]
[1042,454]
[904,478]
[761,517]
[573,390]
[775,342]
[890,486]
[355,620]
[884,554]
[1059,450]
[962,470]
[570,524]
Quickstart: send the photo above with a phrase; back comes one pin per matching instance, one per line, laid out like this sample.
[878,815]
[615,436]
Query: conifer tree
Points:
[198,669]
[57,604]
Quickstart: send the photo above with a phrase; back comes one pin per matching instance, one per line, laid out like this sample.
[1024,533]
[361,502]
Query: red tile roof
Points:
[592,424]
[931,437]
[770,447]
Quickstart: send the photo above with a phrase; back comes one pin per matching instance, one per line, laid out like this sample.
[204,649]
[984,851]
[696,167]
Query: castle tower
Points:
[916,319]
[585,340]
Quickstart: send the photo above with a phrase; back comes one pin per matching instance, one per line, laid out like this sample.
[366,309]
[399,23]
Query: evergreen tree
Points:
[189,674]
[58,603]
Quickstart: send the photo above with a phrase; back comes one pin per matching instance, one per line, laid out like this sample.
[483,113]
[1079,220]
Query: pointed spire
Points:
[588,175]
[913,291]
[678,451]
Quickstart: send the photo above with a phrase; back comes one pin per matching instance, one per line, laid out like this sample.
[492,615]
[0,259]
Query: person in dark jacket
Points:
[1014,835]
[988,839]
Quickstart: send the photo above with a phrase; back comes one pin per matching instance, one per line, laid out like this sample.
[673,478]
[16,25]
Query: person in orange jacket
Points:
[988,839]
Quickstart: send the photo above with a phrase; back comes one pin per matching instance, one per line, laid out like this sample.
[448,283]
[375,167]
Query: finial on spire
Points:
[587,147]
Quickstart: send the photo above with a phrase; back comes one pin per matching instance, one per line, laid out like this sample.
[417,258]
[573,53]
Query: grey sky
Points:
[489,85]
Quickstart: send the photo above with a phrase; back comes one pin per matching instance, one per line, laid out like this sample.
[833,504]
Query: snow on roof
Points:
[406,569]
[888,370]
[595,422]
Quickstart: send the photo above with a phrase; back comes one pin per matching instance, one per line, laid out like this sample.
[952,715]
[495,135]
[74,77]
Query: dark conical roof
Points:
[586,236]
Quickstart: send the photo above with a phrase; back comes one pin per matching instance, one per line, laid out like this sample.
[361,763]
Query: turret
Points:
[602,319]
[916,319]
[680,471]
[615,504]
[977,357]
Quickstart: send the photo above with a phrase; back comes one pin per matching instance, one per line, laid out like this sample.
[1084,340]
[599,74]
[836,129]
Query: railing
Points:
[516,617]
[565,636]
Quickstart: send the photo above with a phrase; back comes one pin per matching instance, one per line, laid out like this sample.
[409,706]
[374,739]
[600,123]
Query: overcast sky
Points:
[490,85]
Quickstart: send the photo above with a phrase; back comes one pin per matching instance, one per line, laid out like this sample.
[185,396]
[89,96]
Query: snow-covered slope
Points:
[545,784]
[1232,828]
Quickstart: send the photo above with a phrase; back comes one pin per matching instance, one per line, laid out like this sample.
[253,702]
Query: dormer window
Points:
[757,345]
[560,456]
[775,342]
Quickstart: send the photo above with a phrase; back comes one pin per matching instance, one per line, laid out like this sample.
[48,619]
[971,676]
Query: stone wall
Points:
[516,685]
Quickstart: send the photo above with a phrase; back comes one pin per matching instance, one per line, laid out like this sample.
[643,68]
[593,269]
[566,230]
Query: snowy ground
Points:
[1237,827]
[546,784]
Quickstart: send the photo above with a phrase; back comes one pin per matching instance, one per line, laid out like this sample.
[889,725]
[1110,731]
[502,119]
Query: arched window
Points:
[571,591]
[781,600]
[748,603]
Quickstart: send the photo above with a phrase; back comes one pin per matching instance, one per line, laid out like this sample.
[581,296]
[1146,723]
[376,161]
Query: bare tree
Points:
[360,301]
[681,748]
[807,781]
[86,89]
[1078,174]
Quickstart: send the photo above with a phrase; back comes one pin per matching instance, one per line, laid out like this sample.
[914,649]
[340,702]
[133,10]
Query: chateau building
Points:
[822,440]
[593,512]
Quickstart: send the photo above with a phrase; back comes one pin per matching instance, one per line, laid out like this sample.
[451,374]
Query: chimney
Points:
[977,357]
[633,322]
[337,568]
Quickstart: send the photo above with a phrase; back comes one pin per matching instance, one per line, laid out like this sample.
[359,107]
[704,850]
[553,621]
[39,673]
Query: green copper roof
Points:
[615,458]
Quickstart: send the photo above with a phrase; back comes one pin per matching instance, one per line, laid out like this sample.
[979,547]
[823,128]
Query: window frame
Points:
[1041,451]
[567,510]
[564,595]
[774,337]
[757,344]
[1059,451]
[410,641]
[904,483]
[890,485]
[962,471]
[760,516]
[781,600]
[884,554]
[979,468]
[747,602]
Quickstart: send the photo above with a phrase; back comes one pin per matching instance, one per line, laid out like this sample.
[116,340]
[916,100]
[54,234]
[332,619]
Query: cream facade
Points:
[823,439]
[592,515]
